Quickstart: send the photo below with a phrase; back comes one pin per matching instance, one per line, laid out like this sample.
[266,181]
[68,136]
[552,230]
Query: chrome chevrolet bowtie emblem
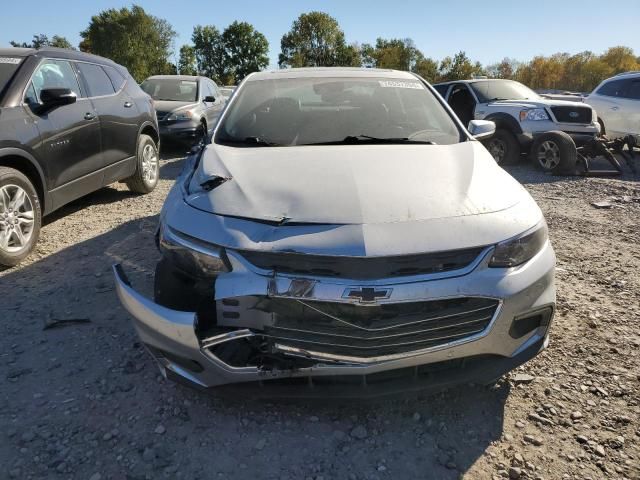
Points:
[367,294]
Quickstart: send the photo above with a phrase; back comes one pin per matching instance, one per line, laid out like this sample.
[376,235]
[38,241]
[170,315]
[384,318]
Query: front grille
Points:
[572,114]
[344,329]
[362,268]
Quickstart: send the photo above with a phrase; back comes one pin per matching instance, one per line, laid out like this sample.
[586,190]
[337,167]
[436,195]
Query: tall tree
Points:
[427,68]
[210,53]
[316,40]
[459,67]
[620,59]
[139,41]
[43,40]
[246,50]
[187,62]
[399,54]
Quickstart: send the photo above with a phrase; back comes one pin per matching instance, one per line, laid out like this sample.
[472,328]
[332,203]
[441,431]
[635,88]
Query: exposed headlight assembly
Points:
[534,114]
[516,251]
[180,116]
[191,255]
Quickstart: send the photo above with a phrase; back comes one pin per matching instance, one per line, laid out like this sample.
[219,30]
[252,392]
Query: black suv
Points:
[70,123]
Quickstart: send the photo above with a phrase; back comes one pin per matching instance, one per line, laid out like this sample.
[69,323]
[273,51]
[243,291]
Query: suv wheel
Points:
[20,217]
[148,167]
[555,152]
[503,147]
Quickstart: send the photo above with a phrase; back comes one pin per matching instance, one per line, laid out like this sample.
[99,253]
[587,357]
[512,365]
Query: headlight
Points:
[178,116]
[533,114]
[194,256]
[516,251]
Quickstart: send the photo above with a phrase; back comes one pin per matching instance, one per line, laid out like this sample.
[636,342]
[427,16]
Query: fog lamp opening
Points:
[526,323]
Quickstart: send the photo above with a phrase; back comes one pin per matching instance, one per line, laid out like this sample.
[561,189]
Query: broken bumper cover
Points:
[521,294]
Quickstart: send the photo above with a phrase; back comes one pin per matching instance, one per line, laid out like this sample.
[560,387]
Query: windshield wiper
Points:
[353,139]
[497,99]
[255,141]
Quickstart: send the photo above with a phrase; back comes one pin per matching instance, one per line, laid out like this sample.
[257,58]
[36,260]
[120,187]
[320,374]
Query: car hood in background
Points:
[353,184]
[541,102]
[167,106]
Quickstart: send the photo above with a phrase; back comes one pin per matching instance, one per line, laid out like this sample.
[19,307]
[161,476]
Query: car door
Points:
[70,135]
[462,102]
[608,105]
[630,107]
[117,113]
[215,108]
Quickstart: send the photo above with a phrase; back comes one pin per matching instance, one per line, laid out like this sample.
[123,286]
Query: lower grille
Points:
[362,268]
[572,114]
[373,331]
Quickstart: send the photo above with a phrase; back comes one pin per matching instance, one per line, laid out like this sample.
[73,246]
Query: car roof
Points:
[174,77]
[52,52]
[311,72]
[474,80]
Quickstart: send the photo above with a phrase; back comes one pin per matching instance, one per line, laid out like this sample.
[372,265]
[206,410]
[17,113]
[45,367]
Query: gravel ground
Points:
[81,399]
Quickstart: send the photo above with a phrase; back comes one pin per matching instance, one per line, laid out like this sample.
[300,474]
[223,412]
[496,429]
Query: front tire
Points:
[503,147]
[555,152]
[145,179]
[20,217]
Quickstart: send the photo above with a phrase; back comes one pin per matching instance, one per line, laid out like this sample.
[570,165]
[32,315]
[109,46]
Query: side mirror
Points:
[209,99]
[481,129]
[52,98]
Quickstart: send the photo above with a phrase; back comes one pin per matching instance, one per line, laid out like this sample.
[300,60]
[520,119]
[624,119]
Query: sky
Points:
[487,30]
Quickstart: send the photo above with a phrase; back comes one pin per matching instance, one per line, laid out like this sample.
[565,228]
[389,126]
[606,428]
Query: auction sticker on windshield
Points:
[400,84]
[11,60]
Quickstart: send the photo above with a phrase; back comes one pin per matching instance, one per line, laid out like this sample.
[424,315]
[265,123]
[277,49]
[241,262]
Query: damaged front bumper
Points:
[518,304]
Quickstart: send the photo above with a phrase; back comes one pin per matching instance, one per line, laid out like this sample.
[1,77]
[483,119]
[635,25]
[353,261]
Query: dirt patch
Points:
[83,400]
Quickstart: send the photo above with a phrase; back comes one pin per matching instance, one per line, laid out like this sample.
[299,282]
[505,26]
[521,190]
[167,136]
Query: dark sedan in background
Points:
[187,107]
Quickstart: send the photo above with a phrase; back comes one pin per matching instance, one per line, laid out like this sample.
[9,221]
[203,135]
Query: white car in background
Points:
[617,102]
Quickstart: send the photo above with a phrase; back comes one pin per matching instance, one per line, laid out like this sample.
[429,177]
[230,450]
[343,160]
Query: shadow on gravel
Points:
[96,365]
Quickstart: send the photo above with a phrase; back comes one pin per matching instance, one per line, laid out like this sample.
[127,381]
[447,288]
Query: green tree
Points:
[245,50]
[316,40]
[620,59]
[427,68]
[131,37]
[210,53]
[507,68]
[42,40]
[394,53]
[187,61]
[459,67]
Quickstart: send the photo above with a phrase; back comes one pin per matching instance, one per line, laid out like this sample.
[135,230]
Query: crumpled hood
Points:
[363,184]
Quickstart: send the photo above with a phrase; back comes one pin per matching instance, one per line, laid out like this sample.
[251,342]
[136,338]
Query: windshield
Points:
[492,90]
[8,66]
[312,111]
[172,89]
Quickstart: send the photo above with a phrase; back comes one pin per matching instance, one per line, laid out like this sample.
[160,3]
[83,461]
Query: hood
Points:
[352,184]
[541,102]
[166,106]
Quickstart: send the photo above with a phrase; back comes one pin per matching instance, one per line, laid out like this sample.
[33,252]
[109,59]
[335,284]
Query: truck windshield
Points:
[8,66]
[492,90]
[335,110]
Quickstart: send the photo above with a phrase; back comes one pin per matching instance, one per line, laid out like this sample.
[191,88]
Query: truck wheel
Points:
[145,179]
[20,217]
[555,152]
[503,147]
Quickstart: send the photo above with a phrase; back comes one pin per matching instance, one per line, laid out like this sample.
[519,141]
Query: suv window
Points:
[117,79]
[96,79]
[441,89]
[632,89]
[613,88]
[52,74]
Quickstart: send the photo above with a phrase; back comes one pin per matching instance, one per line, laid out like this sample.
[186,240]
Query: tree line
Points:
[145,44]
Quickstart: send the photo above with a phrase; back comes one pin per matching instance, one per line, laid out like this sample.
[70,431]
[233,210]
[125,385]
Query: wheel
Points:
[145,179]
[20,217]
[503,147]
[555,152]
